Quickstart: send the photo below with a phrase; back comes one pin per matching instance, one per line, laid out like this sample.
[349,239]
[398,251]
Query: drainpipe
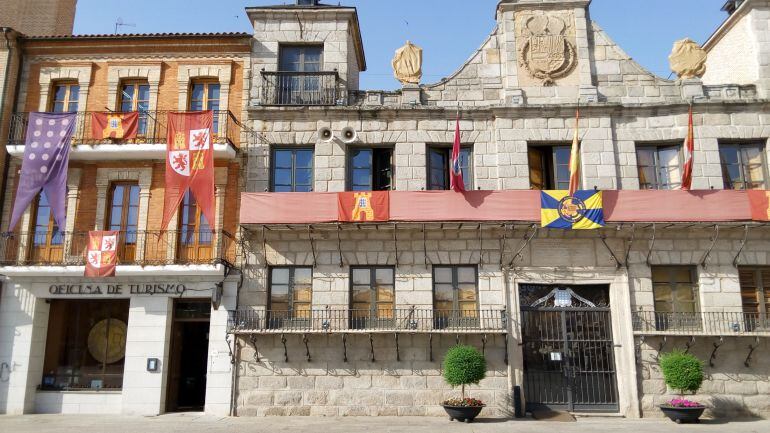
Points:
[6,162]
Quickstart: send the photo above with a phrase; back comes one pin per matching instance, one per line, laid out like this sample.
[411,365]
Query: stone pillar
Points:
[23,318]
[692,88]
[219,372]
[148,336]
[411,94]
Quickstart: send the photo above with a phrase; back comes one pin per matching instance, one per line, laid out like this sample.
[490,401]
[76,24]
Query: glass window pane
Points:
[280,276]
[304,159]
[384,276]
[74,92]
[361,294]
[362,276]
[442,275]
[197,92]
[443,292]
[466,275]
[303,276]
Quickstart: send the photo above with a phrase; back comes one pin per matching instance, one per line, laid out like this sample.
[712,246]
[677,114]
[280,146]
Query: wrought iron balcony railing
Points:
[145,248]
[700,323]
[300,88]
[153,127]
[404,320]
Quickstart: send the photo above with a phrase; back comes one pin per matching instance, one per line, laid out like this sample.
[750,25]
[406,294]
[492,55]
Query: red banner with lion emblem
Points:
[365,206]
[189,163]
[101,254]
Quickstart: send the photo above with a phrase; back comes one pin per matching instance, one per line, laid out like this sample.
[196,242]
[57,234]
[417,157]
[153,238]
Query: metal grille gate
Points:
[569,362]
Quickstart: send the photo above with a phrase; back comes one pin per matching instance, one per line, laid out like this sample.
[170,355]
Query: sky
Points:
[449,31]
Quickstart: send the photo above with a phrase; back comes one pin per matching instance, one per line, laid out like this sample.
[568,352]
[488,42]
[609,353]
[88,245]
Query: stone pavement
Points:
[193,423]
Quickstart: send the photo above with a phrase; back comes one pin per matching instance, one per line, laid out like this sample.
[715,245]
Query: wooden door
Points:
[196,239]
[47,241]
[123,216]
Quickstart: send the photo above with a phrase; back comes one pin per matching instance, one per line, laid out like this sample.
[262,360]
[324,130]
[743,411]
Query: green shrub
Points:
[464,365]
[682,371]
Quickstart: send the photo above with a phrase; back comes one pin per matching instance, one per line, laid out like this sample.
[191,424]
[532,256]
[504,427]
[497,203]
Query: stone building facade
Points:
[515,114]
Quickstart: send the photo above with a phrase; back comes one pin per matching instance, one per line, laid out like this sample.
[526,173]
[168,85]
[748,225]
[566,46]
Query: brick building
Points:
[119,185]
[39,17]
[331,317]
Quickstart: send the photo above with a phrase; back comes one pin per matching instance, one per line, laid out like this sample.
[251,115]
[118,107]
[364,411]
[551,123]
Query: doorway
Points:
[569,361]
[189,356]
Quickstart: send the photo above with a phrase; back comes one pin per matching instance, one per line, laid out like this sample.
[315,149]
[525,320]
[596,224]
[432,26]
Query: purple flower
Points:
[680,402]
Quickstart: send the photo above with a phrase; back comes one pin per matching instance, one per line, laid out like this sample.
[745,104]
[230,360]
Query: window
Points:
[659,167]
[65,98]
[549,167]
[123,216]
[204,95]
[372,297]
[195,235]
[291,295]
[292,170]
[298,81]
[370,169]
[135,96]
[47,239]
[455,296]
[439,166]
[676,297]
[86,344]
[743,166]
[755,293]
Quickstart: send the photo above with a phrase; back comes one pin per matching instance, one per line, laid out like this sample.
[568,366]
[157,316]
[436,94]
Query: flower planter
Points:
[682,415]
[463,413]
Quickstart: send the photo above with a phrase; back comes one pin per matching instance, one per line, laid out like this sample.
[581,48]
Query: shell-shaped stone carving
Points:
[407,64]
[688,59]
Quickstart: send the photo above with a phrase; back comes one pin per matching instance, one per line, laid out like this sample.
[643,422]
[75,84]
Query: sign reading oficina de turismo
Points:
[116,289]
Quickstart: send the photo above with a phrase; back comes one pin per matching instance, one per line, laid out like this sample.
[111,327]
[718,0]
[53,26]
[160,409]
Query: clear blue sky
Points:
[448,30]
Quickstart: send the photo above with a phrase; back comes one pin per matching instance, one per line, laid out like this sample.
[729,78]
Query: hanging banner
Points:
[583,210]
[120,126]
[370,206]
[46,158]
[102,254]
[189,163]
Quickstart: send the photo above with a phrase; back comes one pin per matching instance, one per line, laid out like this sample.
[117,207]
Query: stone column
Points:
[148,336]
[24,318]
[219,371]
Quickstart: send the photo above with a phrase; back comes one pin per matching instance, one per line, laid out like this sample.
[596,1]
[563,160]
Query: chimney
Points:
[307,2]
[732,5]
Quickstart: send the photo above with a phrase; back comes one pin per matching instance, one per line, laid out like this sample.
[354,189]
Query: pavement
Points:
[195,423]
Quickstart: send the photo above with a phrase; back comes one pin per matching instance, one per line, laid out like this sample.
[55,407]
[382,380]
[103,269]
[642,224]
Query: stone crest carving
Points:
[547,53]
[407,64]
[688,59]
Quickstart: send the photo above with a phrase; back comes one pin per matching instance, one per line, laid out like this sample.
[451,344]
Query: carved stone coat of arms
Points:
[547,54]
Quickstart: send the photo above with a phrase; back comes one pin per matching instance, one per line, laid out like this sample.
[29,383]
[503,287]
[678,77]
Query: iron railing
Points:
[327,320]
[145,248]
[300,88]
[153,128]
[700,323]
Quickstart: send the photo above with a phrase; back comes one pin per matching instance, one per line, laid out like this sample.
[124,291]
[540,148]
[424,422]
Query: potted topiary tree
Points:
[683,372]
[463,365]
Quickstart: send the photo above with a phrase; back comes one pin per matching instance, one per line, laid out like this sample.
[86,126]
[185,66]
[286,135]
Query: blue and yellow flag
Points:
[582,211]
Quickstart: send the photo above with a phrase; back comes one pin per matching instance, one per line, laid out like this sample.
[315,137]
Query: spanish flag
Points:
[583,210]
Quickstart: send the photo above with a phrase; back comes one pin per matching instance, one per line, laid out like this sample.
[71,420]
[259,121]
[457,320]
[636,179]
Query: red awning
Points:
[513,206]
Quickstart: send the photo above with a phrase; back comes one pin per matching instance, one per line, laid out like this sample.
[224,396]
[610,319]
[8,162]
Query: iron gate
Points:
[569,361]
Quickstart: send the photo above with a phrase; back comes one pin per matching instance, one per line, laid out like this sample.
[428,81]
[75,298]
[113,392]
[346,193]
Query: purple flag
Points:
[46,158]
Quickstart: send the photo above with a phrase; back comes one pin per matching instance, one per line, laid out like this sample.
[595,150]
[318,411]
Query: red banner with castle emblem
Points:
[121,126]
[189,163]
[102,254]
[369,206]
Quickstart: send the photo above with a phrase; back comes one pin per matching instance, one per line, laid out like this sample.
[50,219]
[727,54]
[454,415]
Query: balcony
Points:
[701,324]
[301,88]
[141,248]
[150,142]
[343,321]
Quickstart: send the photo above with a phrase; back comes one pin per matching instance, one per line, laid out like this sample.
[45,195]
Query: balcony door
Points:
[195,243]
[205,95]
[123,216]
[47,240]
[299,85]
[135,96]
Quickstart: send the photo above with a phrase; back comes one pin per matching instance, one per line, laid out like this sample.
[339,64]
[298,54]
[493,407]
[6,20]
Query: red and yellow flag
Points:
[121,126]
[574,158]
[365,206]
[689,150]
[102,254]
[189,163]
